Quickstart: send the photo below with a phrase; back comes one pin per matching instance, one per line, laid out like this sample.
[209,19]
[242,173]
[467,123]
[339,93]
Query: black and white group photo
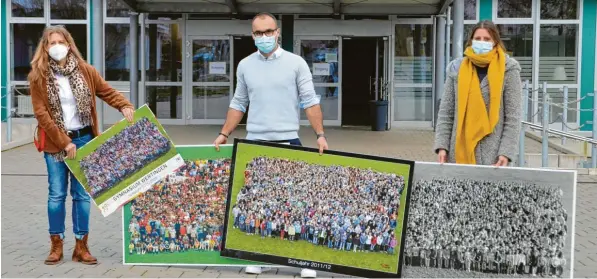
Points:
[123,155]
[471,227]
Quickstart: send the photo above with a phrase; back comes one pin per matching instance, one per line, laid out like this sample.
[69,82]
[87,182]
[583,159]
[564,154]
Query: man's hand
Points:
[502,161]
[128,113]
[71,151]
[442,156]
[221,139]
[322,143]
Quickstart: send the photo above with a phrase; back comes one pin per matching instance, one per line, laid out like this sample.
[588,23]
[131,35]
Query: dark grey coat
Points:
[505,136]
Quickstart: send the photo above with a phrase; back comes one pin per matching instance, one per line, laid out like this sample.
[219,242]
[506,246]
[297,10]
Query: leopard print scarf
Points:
[80,91]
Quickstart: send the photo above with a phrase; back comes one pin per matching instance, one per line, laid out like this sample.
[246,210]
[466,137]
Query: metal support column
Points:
[594,147]
[545,124]
[525,111]
[458,35]
[565,114]
[134,78]
[97,40]
[9,113]
[448,34]
[440,68]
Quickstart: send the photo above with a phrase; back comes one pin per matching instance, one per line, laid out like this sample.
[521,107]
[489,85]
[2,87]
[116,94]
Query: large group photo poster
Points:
[337,212]
[125,160]
[481,221]
[180,220]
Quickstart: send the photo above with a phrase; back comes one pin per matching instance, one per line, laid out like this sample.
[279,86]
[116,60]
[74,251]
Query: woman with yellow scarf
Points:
[480,111]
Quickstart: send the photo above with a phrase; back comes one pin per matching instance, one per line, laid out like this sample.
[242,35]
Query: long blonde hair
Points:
[40,61]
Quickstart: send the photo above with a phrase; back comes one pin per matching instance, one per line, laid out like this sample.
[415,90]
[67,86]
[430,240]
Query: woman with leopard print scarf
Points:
[63,92]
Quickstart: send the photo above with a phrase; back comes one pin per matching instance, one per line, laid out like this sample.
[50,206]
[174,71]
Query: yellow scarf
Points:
[474,123]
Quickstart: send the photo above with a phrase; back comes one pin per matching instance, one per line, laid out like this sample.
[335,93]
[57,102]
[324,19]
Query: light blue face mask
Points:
[481,47]
[265,44]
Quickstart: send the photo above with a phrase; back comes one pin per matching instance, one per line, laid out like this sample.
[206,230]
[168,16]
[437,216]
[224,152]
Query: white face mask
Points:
[58,52]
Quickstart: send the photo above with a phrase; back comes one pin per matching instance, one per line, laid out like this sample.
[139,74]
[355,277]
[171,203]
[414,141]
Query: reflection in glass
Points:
[559,9]
[558,61]
[518,40]
[210,102]
[68,9]
[470,9]
[117,52]
[514,9]
[165,101]
[413,56]
[328,99]
[164,52]
[116,8]
[79,34]
[27,8]
[320,53]
[24,42]
[413,104]
[211,60]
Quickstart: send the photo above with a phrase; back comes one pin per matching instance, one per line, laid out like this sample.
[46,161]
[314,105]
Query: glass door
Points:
[413,72]
[210,80]
[323,55]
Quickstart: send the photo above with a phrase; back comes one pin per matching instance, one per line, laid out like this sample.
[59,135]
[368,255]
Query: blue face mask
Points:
[265,44]
[481,47]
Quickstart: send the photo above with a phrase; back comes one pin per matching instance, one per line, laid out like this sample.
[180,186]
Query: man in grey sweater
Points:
[276,83]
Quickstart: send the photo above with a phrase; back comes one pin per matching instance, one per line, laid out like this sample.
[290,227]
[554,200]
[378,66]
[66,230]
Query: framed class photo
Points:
[337,212]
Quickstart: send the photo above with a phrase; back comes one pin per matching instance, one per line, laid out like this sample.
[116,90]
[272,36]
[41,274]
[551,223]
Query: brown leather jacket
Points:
[56,140]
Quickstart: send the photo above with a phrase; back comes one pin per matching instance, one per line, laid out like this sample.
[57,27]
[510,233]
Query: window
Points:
[559,9]
[558,61]
[117,52]
[514,8]
[68,9]
[164,44]
[470,10]
[116,8]
[518,40]
[27,8]
[24,40]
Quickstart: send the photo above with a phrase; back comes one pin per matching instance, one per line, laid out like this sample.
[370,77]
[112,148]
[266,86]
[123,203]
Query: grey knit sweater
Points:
[505,136]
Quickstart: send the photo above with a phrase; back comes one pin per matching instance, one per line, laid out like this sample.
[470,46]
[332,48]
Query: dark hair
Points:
[493,32]
[265,14]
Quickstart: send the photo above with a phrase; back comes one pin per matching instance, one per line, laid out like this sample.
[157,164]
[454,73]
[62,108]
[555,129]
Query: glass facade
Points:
[545,39]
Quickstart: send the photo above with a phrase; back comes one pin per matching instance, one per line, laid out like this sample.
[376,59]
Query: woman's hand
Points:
[502,161]
[442,156]
[71,151]
[128,113]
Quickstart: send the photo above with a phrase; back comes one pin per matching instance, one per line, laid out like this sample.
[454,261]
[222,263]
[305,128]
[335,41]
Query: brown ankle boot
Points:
[56,254]
[81,252]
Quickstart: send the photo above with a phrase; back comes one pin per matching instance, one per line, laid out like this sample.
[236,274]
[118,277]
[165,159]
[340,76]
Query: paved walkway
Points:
[25,242]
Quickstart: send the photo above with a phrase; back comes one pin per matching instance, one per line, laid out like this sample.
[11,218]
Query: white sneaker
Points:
[308,273]
[256,269]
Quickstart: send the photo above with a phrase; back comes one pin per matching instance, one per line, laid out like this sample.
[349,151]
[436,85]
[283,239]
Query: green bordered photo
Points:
[337,212]
[179,221]
[125,160]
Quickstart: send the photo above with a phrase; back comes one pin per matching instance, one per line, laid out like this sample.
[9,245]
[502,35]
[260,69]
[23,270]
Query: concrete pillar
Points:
[440,62]
[134,77]
[97,40]
[458,32]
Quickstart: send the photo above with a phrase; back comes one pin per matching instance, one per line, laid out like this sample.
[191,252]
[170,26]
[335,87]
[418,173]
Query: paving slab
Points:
[24,191]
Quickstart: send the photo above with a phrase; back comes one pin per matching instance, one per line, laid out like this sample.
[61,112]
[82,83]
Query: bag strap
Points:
[41,144]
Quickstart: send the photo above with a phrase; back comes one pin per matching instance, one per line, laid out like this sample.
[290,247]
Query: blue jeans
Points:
[58,175]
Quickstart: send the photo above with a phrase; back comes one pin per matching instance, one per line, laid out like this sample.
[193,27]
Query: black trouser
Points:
[296,141]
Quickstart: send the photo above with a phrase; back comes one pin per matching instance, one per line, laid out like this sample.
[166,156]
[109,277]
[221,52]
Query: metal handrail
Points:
[560,133]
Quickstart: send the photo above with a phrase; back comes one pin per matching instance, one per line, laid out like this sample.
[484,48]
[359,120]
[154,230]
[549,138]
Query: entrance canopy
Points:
[298,7]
